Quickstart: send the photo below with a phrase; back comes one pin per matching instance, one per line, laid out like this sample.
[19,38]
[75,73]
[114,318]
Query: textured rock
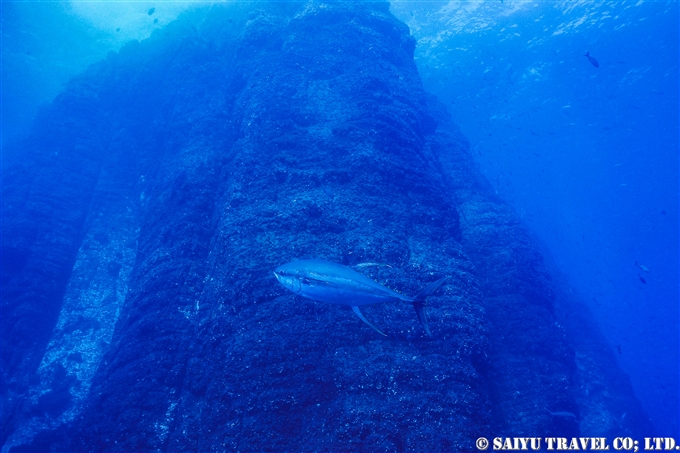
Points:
[603,392]
[46,196]
[236,140]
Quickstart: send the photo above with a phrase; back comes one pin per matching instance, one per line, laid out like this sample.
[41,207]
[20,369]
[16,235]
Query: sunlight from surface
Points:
[123,21]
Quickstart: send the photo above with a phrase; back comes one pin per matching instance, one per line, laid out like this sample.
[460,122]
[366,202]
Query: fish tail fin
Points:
[587,54]
[419,303]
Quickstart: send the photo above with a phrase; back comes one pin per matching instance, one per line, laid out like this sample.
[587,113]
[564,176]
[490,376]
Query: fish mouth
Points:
[281,276]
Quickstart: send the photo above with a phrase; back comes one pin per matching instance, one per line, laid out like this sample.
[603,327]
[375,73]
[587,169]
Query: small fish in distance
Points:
[563,415]
[592,60]
[642,267]
[325,281]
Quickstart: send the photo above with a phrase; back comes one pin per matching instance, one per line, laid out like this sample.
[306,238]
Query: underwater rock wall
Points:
[74,197]
[531,361]
[328,159]
[235,140]
[46,193]
[604,394]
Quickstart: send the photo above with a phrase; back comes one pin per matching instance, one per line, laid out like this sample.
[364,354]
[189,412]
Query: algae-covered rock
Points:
[235,140]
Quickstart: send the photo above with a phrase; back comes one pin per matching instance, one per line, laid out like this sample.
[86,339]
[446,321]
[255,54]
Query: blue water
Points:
[588,156]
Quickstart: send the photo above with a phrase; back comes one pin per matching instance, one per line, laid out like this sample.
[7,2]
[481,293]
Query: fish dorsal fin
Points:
[361,316]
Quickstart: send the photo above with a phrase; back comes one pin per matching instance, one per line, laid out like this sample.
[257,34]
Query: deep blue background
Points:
[588,156]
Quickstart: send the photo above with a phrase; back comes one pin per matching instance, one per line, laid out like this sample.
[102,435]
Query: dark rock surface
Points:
[144,216]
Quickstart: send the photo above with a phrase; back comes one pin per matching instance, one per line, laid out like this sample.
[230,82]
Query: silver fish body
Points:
[334,283]
[325,281]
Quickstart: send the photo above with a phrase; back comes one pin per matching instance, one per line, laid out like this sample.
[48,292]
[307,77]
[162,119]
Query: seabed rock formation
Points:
[143,216]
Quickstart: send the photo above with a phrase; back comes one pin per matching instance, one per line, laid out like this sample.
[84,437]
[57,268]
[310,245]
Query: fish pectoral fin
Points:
[356,310]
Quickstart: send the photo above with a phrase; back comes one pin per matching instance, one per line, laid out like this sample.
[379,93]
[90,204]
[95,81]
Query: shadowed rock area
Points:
[143,217]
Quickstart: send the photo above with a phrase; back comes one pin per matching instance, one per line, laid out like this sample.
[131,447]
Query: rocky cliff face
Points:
[144,216]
